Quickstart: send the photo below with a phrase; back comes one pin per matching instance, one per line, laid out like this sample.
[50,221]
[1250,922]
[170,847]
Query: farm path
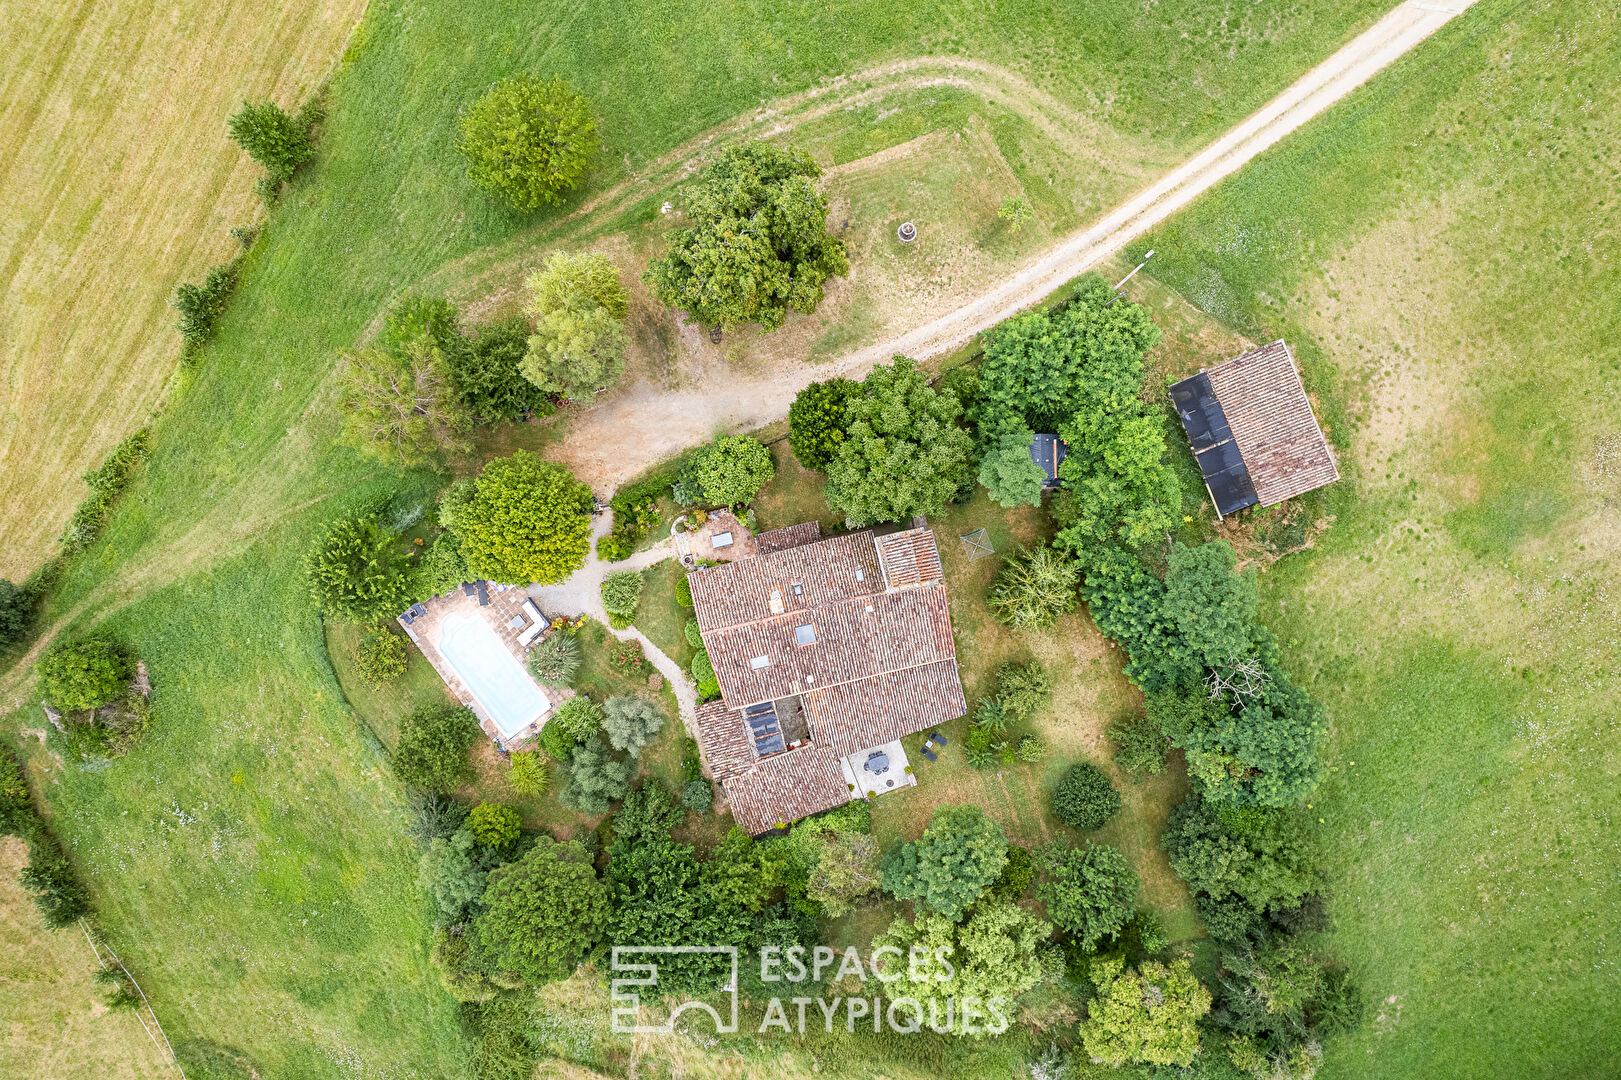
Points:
[625,435]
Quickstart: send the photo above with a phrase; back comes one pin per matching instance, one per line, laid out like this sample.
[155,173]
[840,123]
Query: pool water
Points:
[490,671]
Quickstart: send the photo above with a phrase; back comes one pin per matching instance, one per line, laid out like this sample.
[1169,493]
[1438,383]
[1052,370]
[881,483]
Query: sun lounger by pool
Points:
[532,611]
[467,588]
[531,634]
[930,754]
[483,594]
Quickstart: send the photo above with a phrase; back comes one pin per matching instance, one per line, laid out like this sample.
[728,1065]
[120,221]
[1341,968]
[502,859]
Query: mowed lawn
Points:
[116,183]
[1445,251]
[250,858]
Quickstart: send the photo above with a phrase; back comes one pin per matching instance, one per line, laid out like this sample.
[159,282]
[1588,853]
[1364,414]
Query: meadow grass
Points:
[1442,251]
[250,857]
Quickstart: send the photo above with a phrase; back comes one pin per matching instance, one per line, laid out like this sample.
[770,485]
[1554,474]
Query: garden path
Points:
[581,594]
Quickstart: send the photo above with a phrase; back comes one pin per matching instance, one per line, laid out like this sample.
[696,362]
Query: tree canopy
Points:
[1035,587]
[358,571]
[631,723]
[279,142]
[433,747]
[527,521]
[1089,892]
[84,674]
[1212,607]
[946,869]
[403,407]
[593,778]
[1084,798]
[993,954]
[528,139]
[729,470]
[1149,1016]
[16,612]
[903,453]
[756,244]
[542,914]
[578,345]
[1264,857]
[1010,473]
[817,420]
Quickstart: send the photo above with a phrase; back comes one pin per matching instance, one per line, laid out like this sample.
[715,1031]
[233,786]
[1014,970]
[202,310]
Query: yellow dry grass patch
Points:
[117,182]
[55,1024]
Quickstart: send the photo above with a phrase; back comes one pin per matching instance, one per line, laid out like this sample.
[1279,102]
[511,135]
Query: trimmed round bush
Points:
[1084,797]
[702,670]
[528,140]
[557,741]
[683,592]
[694,638]
[698,796]
[494,825]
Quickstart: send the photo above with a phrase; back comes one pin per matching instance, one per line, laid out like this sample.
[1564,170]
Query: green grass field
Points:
[1443,250]
[249,859]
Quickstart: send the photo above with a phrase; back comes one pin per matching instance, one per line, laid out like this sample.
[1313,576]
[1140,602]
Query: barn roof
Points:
[1252,430]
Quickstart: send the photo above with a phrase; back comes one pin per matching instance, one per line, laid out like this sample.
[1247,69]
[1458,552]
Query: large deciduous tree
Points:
[1148,1016]
[403,407]
[526,520]
[903,453]
[992,953]
[358,571]
[947,868]
[528,139]
[578,345]
[1089,892]
[817,420]
[433,747]
[756,244]
[729,470]
[1264,857]
[542,914]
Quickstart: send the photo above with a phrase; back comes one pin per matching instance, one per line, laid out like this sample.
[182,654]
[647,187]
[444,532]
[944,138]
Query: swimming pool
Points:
[495,677]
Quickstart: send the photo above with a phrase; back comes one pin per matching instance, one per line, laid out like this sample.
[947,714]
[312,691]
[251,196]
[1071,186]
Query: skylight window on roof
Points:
[805,635]
[760,663]
[799,590]
[861,575]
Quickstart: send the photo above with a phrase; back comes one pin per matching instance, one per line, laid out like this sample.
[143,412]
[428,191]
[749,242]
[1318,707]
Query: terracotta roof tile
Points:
[724,740]
[787,787]
[859,715]
[909,558]
[826,572]
[792,536]
[1271,420]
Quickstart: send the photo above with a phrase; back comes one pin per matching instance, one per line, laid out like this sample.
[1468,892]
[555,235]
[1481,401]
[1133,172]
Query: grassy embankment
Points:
[1443,252]
[249,858]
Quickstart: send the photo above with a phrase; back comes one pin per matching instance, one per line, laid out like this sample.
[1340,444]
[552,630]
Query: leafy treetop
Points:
[542,914]
[84,674]
[817,420]
[528,140]
[946,869]
[527,520]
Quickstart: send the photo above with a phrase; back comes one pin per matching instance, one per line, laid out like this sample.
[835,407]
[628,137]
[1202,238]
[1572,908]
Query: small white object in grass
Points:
[907,232]
[666,208]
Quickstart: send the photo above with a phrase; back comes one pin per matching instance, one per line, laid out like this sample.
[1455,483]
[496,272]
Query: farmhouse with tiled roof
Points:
[826,651]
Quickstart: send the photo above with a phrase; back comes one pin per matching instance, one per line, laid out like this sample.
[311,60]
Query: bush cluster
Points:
[200,305]
[1084,798]
[381,657]
[106,482]
[49,877]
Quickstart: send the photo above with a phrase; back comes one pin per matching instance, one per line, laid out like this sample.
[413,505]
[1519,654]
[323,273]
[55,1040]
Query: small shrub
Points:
[126,721]
[579,716]
[1140,745]
[16,612]
[271,137]
[697,796]
[556,660]
[1022,689]
[1031,748]
[627,656]
[631,723]
[1084,798]
[1017,876]
[106,483]
[557,741]
[702,669]
[433,746]
[529,775]
[434,816]
[621,593]
[381,658]
[1150,931]
[49,878]
[708,689]
[200,305]
[695,638]
[1035,587]
[528,140]
[1016,211]
[495,825]
[991,715]
[84,674]
[978,746]
[692,767]
[16,812]
[683,592]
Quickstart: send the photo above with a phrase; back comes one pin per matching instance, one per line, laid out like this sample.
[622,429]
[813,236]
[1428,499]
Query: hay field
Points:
[116,183]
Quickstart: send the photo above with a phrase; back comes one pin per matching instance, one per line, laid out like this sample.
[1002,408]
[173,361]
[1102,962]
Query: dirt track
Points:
[647,424]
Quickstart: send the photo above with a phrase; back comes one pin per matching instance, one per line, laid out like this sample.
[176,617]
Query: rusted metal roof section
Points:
[838,568]
[787,787]
[909,558]
[1266,406]
[874,711]
[791,536]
